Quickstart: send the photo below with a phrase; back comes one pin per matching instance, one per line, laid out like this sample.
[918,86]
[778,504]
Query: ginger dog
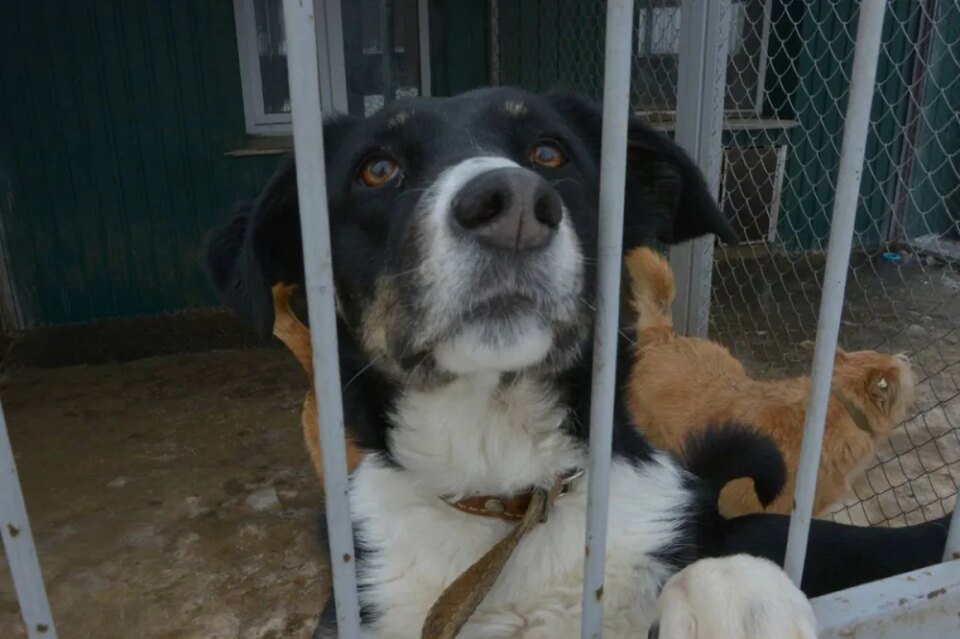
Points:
[681,383]
[296,337]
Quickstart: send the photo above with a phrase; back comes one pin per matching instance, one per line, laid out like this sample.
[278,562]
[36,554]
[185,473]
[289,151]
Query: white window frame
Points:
[333,85]
[645,23]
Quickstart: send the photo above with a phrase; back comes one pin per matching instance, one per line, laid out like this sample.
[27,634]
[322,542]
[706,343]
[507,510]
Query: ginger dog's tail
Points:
[652,289]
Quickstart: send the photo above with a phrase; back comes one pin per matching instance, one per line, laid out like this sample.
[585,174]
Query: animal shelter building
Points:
[177,112]
[129,128]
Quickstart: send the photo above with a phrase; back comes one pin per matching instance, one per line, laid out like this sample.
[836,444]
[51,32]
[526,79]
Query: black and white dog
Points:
[464,241]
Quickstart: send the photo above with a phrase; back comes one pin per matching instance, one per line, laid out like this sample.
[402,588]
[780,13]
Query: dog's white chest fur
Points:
[477,437]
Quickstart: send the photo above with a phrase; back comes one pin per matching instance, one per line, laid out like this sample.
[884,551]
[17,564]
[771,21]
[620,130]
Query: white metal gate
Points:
[924,603]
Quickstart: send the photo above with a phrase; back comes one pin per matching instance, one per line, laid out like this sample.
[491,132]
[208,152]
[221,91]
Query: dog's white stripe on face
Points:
[455,277]
[450,182]
[513,347]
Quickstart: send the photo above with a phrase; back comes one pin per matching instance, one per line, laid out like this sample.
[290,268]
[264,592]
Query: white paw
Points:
[738,597]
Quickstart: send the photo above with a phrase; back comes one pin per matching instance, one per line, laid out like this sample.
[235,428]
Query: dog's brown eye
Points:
[547,154]
[378,171]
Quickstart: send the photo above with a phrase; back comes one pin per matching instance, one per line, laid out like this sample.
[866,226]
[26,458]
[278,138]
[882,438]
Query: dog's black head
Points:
[463,229]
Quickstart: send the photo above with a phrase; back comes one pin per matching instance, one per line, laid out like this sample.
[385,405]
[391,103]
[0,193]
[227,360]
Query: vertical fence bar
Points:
[856,127]
[20,549]
[701,89]
[613,170]
[951,550]
[303,71]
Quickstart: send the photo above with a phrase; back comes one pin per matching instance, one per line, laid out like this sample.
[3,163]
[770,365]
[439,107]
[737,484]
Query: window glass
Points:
[382,52]
[272,53]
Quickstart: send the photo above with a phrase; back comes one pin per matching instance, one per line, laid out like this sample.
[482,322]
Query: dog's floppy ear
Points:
[667,198]
[261,246]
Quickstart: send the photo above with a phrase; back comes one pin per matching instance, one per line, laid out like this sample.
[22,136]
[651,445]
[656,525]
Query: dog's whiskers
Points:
[403,273]
[566,179]
[619,330]
[362,371]
[406,382]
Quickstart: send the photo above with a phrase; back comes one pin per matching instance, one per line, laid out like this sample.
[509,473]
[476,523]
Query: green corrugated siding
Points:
[809,76]
[458,46]
[936,170]
[114,121]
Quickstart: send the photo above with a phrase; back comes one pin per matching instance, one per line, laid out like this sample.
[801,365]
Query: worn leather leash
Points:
[462,597]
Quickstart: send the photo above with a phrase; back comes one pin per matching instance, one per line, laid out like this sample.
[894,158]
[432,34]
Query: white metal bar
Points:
[19,546]
[701,89]
[777,192]
[922,604]
[856,127]
[951,549]
[613,170]
[303,72]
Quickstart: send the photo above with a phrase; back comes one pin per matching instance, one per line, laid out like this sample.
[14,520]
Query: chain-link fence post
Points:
[951,549]
[701,82]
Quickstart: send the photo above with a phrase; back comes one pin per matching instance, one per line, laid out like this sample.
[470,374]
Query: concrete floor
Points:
[170,497]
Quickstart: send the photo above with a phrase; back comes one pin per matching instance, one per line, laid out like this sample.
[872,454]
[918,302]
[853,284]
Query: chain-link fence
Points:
[787,77]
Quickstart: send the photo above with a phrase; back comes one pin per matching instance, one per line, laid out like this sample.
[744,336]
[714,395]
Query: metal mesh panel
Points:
[787,76]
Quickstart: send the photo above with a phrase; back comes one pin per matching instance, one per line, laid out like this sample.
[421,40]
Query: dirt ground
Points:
[170,497]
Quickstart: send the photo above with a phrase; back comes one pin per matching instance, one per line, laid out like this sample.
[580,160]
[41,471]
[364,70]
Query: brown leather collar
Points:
[461,598]
[859,418]
[510,508]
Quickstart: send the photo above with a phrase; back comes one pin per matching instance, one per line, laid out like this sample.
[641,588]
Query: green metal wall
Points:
[936,169]
[814,61]
[114,119]
[459,41]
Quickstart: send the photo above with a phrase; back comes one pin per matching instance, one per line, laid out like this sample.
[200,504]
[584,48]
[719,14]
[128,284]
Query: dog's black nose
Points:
[511,208]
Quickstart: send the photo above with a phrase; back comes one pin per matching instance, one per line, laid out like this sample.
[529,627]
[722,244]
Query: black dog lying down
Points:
[464,248]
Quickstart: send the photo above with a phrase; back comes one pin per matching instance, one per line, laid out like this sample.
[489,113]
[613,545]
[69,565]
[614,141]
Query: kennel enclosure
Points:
[754,87]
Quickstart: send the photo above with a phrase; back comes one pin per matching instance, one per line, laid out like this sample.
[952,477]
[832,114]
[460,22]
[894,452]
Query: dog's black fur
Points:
[375,243]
